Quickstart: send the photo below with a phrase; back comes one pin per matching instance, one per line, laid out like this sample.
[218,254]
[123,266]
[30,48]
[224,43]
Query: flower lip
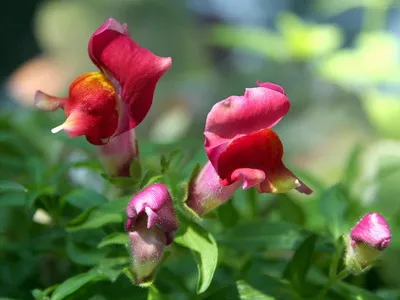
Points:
[155,203]
[373,230]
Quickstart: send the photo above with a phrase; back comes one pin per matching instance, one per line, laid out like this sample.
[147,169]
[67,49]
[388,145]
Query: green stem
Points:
[333,275]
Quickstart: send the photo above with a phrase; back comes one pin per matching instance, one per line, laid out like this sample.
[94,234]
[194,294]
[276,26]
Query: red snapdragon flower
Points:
[241,146]
[104,104]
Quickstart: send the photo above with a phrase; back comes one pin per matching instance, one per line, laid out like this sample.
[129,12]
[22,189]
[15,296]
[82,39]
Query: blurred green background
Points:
[337,60]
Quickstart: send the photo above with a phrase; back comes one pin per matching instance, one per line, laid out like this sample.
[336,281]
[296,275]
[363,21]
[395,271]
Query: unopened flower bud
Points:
[151,226]
[369,237]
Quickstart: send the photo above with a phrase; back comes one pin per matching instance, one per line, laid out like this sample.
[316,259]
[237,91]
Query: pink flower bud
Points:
[206,192]
[151,226]
[369,237]
[373,230]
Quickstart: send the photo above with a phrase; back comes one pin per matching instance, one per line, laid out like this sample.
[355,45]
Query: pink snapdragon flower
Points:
[116,99]
[241,145]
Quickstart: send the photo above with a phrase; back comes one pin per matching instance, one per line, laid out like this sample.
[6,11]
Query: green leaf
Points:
[110,212]
[135,170]
[258,279]
[228,215]
[84,254]
[11,186]
[72,284]
[333,206]
[13,199]
[247,292]
[204,249]
[258,235]
[116,238]
[290,210]
[349,291]
[352,168]
[297,268]
[85,198]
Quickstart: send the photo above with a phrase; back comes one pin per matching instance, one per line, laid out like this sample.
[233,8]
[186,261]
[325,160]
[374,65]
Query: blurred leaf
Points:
[383,111]
[135,169]
[72,284]
[349,291]
[43,295]
[333,206]
[257,235]
[352,169]
[307,41]
[227,214]
[290,210]
[258,279]
[10,186]
[115,238]
[331,8]
[204,249]
[258,40]
[13,199]
[84,254]
[85,198]
[297,268]
[247,292]
[98,216]
[348,67]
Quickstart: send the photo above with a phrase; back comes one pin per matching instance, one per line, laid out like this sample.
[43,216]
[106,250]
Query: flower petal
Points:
[155,202]
[258,108]
[256,158]
[206,192]
[46,102]
[373,230]
[133,68]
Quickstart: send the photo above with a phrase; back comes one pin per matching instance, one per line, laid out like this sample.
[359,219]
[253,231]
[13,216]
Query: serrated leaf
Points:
[258,235]
[11,186]
[85,198]
[297,268]
[116,238]
[110,212]
[204,249]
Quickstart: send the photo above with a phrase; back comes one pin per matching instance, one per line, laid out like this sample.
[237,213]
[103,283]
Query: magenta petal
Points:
[154,202]
[249,177]
[258,108]
[134,70]
[373,230]
[272,86]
